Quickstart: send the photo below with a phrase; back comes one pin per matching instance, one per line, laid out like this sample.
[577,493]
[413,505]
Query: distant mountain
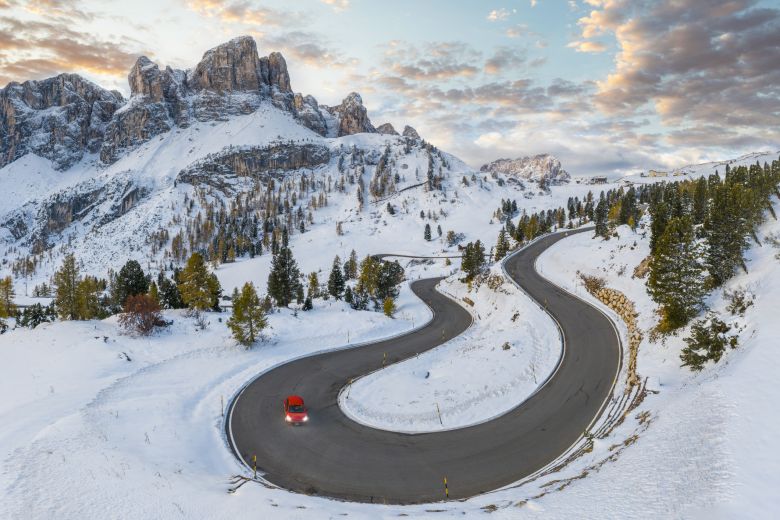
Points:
[65,117]
[220,159]
[536,168]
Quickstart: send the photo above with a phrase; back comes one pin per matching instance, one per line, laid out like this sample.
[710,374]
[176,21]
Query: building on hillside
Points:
[599,179]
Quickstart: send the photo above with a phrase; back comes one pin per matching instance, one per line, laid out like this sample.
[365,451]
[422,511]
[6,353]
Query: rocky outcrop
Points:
[307,110]
[352,116]
[231,79]
[410,132]
[58,118]
[156,105]
[536,168]
[256,162]
[386,129]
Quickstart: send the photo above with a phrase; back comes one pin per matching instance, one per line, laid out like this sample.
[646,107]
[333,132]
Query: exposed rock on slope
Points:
[538,167]
[57,118]
[254,162]
[352,116]
[410,132]
[386,129]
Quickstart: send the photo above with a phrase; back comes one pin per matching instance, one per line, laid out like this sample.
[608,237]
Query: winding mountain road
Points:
[336,457]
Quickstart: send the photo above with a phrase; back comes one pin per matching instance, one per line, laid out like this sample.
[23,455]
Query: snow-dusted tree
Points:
[388,306]
[601,217]
[502,245]
[676,280]
[427,232]
[66,280]
[248,319]
[336,279]
[7,295]
[130,281]
[199,289]
[351,266]
[284,280]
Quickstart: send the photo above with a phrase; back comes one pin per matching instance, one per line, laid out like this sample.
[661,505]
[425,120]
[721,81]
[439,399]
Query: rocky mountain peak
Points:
[57,118]
[386,129]
[536,168]
[236,66]
[410,132]
[352,116]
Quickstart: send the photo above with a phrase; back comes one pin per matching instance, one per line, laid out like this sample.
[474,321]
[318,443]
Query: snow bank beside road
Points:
[94,424]
[488,370]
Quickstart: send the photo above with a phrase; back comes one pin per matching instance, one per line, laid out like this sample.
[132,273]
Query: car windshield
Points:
[296,408]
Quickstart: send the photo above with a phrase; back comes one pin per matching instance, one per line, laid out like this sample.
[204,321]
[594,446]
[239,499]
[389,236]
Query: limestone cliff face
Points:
[257,162]
[352,116]
[59,118]
[156,105]
[536,168]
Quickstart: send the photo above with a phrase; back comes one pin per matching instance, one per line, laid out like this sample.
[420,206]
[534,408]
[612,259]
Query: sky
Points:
[608,86]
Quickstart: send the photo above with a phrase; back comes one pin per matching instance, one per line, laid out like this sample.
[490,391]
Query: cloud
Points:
[504,58]
[435,61]
[239,12]
[498,14]
[693,63]
[40,49]
[306,47]
[587,46]
[337,5]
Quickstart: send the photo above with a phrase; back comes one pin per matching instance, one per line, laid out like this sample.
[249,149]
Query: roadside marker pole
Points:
[254,465]
[440,421]
[446,490]
[222,405]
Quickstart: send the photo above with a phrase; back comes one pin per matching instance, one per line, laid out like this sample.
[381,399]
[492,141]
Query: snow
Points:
[86,433]
[90,413]
[470,379]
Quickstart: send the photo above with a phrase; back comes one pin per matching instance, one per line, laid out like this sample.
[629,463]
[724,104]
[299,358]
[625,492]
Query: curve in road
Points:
[336,457]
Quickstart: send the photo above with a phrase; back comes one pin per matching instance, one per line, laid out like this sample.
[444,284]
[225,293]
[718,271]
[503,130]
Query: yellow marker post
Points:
[254,465]
[446,490]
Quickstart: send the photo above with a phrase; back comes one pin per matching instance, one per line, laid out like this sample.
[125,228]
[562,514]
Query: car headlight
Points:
[287,418]
[306,418]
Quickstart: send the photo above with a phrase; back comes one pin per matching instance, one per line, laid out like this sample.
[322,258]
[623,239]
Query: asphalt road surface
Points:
[336,457]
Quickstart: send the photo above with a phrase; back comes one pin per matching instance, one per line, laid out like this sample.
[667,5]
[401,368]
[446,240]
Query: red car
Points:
[294,410]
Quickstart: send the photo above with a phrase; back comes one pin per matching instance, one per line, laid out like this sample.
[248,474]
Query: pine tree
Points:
[66,280]
[88,293]
[284,282]
[700,201]
[196,285]
[427,233]
[676,280]
[502,245]
[130,281]
[336,280]
[313,288]
[248,318]
[388,306]
[368,280]
[727,231]
[7,295]
[169,294]
[600,217]
[351,266]
[154,292]
[348,295]
[473,259]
